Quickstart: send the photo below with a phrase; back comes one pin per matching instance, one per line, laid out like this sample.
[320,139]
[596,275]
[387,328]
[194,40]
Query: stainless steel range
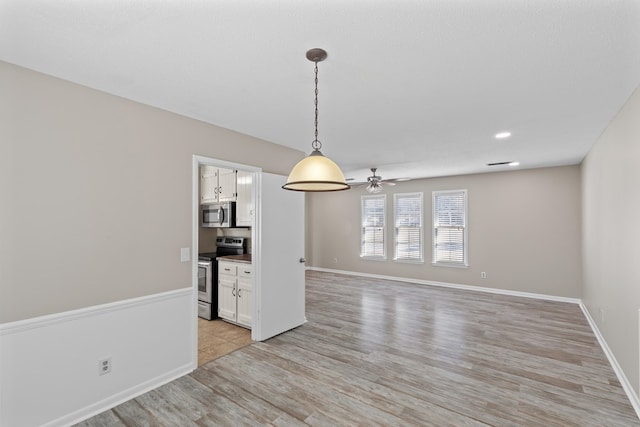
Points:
[208,274]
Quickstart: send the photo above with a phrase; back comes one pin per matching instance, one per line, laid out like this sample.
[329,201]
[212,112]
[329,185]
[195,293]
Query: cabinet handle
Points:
[233,292]
[247,272]
[239,296]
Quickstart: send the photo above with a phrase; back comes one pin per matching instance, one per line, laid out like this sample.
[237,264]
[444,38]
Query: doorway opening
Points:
[214,338]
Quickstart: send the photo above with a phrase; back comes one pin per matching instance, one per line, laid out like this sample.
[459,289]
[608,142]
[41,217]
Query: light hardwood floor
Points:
[377,352]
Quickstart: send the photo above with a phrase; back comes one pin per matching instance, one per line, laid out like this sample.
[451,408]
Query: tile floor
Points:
[217,338]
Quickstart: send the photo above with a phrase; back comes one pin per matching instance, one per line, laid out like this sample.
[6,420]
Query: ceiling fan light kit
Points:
[316,172]
[375,182]
[374,187]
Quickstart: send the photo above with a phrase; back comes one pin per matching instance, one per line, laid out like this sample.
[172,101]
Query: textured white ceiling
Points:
[417,88]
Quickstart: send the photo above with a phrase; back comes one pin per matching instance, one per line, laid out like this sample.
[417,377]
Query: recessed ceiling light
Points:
[503,135]
[514,164]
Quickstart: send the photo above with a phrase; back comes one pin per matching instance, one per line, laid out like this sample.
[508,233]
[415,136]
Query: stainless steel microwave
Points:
[221,215]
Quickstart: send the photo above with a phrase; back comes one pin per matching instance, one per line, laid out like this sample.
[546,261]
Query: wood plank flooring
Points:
[377,352]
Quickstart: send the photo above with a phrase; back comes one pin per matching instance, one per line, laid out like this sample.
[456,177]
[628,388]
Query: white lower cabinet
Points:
[235,292]
[245,294]
[226,293]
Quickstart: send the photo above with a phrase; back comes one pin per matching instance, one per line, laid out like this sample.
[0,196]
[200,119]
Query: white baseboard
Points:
[451,285]
[633,397]
[626,385]
[51,362]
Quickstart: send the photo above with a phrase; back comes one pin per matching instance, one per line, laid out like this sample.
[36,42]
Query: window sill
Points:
[373,258]
[409,261]
[446,264]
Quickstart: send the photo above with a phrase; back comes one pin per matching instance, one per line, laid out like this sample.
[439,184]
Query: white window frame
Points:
[435,225]
[419,196]
[364,255]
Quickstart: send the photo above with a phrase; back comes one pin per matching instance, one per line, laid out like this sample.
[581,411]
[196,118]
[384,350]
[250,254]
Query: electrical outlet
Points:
[483,275]
[185,255]
[335,260]
[104,366]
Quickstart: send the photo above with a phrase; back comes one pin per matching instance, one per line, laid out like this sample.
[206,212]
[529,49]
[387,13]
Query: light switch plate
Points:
[185,255]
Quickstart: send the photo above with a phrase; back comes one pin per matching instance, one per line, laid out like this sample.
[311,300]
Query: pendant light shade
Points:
[316,172]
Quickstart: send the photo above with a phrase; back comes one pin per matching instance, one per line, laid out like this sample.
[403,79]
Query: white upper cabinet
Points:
[208,184]
[217,184]
[244,205]
[227,185]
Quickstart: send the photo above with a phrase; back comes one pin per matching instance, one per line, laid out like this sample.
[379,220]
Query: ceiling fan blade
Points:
[398,179]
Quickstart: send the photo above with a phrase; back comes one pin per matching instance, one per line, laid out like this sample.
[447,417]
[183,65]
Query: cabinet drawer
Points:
[245,270]
[228,268]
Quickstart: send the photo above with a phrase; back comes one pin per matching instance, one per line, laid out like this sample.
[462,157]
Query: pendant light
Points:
[316,172]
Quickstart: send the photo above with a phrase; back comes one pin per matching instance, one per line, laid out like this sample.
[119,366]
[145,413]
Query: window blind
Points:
[408,227]
[449,227]
[373,226]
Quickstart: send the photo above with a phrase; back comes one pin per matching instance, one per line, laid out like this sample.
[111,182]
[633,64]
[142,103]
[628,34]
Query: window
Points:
[450,228]
[373,226]
[408,227]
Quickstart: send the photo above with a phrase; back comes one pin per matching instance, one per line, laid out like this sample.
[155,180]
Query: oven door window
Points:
[202,279]
[205,285]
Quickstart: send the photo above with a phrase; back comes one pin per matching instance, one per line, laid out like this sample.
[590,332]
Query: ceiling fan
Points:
[375,182]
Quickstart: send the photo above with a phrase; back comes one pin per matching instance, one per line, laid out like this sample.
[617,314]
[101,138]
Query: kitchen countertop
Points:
[245,258]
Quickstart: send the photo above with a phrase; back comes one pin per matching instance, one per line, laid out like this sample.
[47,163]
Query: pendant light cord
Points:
[317,145]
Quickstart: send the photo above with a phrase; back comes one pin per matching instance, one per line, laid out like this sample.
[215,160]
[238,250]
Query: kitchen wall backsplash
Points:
[207,237]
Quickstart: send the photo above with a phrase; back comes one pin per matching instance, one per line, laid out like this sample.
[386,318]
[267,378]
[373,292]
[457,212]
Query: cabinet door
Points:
[208,184]
[227,185]
[227,297]
[244,205]
[245,295]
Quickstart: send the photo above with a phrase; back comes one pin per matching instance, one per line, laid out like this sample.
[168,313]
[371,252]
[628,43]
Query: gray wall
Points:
[524,231]
[611,233]
[95,193]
